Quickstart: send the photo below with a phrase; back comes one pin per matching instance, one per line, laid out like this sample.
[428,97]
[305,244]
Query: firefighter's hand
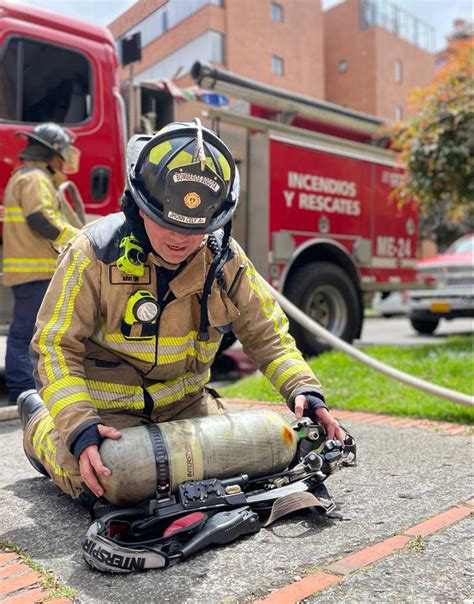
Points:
[323,417]
[90,463]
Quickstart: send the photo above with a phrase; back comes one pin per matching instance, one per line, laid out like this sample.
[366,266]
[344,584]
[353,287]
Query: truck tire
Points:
[426,326]
[324,292]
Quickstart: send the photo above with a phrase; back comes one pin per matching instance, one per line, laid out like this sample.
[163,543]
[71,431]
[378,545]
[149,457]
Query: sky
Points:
[438,13]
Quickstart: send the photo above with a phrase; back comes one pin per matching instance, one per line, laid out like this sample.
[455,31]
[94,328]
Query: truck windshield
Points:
[41,82]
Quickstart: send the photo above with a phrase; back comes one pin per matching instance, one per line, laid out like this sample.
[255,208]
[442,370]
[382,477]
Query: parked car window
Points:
[461,246]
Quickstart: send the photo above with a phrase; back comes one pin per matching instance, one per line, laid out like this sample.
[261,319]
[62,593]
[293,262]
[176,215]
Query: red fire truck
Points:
[316,215]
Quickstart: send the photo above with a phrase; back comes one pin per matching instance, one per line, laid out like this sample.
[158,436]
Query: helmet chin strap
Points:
[217,264]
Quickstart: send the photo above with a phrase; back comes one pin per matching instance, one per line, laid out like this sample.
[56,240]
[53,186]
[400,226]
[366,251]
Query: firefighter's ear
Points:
[141,212]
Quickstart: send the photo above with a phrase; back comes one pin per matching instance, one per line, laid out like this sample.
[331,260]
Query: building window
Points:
[277,65]
[277,12]
[164,22]
[342,66]
[398,112]
[398,71]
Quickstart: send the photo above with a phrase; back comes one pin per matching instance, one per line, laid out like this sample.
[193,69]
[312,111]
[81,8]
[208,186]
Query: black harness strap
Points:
[161,461]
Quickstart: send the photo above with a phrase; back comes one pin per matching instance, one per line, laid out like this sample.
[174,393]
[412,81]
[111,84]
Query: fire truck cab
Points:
[59,69]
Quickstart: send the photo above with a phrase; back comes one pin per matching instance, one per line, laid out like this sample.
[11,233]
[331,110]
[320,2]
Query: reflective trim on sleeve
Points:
[67,232]
[51,335]
[102,395]
[44,447]
[47,196]
[270,309]
[29,265]
[13,214]
[284,367]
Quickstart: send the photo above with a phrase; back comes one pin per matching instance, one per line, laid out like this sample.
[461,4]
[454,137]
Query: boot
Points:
[29,403]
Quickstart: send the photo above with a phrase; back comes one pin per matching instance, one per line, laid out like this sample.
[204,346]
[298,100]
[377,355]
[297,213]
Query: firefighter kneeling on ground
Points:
[138,306]
[36,222]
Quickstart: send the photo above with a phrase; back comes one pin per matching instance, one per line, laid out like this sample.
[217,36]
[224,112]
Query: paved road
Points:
[398,330]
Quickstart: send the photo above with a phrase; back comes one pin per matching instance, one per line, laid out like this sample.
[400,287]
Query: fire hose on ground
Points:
[317,330]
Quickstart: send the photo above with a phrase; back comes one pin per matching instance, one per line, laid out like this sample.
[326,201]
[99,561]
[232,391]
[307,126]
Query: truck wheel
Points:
[324,292]
[426,326]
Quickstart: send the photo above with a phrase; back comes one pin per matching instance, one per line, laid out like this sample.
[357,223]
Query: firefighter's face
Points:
[171,246]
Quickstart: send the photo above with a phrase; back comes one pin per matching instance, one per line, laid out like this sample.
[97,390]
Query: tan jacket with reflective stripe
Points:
[88,367]
[27,256]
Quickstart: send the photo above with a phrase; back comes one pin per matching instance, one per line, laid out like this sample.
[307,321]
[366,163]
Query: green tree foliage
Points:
[436,144]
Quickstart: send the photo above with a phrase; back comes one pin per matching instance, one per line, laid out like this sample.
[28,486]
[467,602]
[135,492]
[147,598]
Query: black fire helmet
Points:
[183,178]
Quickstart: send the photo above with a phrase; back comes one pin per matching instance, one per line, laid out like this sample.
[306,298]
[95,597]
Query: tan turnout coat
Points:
[27,255]
[91,372]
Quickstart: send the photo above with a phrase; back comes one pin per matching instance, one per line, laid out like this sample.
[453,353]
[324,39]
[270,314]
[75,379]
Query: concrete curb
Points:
[10,412]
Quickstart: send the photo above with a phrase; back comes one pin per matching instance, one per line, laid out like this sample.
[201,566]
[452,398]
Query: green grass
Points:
[350,385]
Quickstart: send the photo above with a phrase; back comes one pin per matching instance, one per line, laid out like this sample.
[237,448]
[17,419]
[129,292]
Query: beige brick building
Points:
[364,54]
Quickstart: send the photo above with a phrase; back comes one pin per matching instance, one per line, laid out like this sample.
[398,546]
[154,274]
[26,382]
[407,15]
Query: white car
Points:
[391,304]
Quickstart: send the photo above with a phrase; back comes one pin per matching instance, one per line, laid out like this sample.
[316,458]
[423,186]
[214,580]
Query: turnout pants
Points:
[41,440]
[18,367]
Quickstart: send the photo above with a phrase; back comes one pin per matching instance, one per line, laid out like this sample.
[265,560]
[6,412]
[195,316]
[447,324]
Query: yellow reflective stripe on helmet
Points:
[44,447]
[49,343]
[225,167]
[171,391]
[158,152]
[179,160]
[13,214]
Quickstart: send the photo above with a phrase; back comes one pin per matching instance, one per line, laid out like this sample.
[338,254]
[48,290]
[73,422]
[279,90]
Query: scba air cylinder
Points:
[219,446]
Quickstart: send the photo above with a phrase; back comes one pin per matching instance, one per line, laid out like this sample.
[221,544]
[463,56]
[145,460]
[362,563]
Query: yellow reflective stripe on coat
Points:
[170,350]
[279,370]
[66,234]
[61,318]
[44,447]
[171,391]
[13,214]
[47,196]
[29,265]
[270,309]
[102,395]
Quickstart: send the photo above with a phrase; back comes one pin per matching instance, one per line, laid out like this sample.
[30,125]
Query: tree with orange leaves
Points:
[436,144]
